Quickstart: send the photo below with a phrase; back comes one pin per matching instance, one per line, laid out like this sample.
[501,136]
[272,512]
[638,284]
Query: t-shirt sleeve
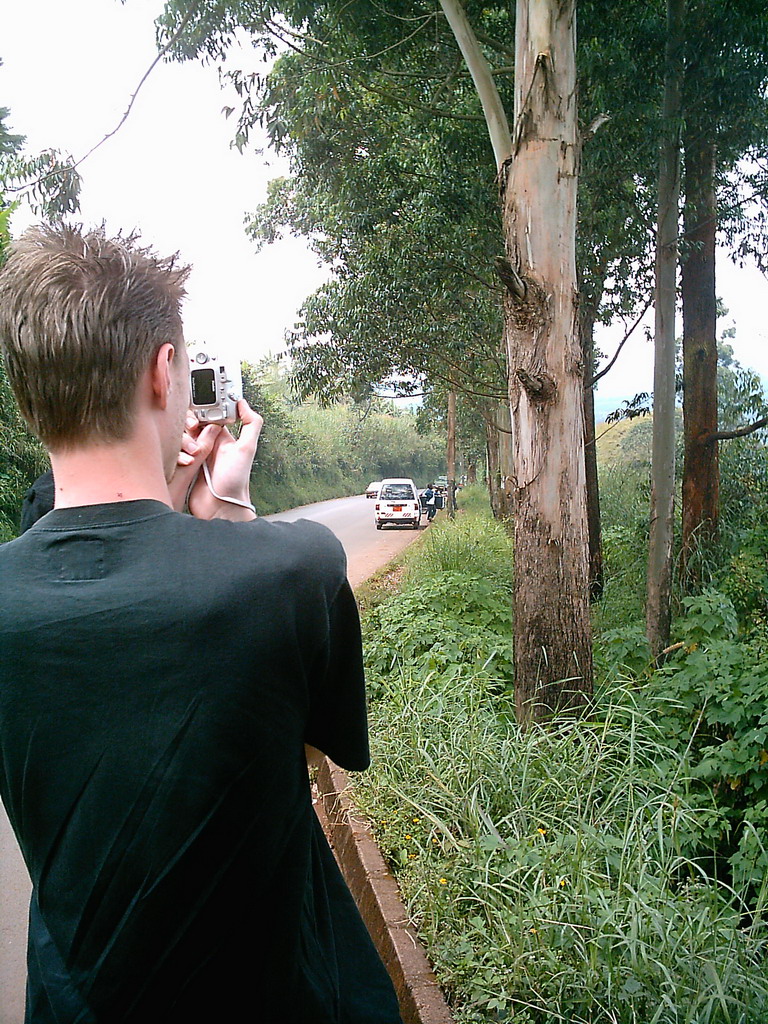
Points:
[337,722]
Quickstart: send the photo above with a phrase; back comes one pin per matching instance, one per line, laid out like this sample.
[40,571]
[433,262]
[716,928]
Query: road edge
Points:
[378,898]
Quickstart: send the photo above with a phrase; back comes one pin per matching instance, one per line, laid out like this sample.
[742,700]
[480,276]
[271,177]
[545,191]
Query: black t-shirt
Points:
[159,676]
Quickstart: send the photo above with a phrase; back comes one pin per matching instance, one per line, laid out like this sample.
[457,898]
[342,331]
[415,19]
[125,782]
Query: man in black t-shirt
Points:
[163,678]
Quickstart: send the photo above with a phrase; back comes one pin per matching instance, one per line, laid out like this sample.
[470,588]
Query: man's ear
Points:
[161,373]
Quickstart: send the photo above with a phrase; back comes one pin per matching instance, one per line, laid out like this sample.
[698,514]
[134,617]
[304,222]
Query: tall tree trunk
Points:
[451,454]
[701,481]
[663,455]
[587,312]
[552,633]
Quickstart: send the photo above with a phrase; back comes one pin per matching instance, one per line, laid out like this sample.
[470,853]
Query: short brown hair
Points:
[81,316]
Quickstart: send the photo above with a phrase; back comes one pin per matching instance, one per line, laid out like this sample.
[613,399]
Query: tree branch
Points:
[602,373]
[479,69]
[377,91]
[494,43]
[161,53]
[727,435]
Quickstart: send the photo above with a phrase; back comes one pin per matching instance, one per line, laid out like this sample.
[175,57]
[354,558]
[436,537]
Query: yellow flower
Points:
[443,881]
[416,820]
[541,831]
[534,931]
[408,837]
[434,840]
[562,881]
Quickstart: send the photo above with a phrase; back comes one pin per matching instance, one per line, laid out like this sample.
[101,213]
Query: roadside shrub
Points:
[454,612]
[455,624]
[743,483]
[712,699]
[473,500]
[22,459]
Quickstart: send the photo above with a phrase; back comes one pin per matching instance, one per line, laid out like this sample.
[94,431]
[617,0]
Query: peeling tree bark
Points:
[701,482]
[553,652]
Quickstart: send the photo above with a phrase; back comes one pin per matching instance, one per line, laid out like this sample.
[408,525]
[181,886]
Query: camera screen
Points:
[203,387]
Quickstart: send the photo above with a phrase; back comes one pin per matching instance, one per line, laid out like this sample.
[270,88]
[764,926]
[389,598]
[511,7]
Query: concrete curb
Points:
[377,896]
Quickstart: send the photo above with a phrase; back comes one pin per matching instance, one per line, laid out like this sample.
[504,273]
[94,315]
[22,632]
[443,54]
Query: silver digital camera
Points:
[216,386]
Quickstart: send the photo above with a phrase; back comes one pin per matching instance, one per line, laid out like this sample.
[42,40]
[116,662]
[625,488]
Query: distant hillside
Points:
[625,443]
[628,442]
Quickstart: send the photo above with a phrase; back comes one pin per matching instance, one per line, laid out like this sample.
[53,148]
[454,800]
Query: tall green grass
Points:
[546,869]
[474,543]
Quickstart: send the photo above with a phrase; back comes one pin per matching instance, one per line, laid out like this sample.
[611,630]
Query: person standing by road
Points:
[164,678]
[431,502]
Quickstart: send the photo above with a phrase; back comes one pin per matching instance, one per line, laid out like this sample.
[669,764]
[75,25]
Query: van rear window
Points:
[396,492]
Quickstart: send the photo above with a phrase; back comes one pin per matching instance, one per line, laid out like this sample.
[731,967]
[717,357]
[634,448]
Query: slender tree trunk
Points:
[451,454]
[494,475]
[587,312]
[552,633]
[471,470]
[506,463]
[500,462]
[663,455]
[701,481]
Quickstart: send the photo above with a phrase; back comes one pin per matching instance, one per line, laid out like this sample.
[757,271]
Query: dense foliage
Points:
[22,458]
[611,870]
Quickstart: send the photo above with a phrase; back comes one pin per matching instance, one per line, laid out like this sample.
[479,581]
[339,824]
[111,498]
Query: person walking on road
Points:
[164,679]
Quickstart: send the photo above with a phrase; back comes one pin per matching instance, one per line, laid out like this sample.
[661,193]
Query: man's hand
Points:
[229,464]
[196,445]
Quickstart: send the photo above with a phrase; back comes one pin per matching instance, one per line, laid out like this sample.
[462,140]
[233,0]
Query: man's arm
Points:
[229,462]
[337,723]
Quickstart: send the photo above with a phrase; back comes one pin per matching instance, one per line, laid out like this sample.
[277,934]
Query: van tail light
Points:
[377,506]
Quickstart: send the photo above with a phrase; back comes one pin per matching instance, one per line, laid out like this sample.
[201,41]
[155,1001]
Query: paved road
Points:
[351,519]
[367,548]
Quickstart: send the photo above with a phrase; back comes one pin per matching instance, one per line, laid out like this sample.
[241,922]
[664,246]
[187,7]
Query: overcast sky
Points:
[69,69]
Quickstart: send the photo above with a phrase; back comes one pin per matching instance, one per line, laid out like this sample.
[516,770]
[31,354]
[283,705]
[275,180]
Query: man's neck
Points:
[102,473]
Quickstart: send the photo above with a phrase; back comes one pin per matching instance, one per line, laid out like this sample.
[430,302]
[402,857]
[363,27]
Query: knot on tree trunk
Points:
[540,387]
[510,278]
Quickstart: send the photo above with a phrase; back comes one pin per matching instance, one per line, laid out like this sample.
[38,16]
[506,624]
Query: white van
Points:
[398,502]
